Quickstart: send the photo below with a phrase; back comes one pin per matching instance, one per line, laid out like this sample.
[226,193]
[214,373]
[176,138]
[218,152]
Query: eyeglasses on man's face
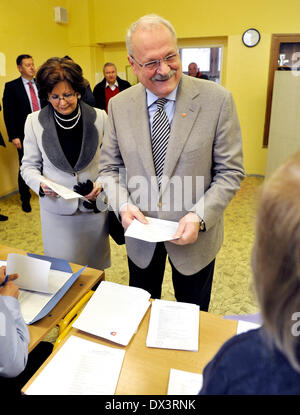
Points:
[153,65]
[68,96]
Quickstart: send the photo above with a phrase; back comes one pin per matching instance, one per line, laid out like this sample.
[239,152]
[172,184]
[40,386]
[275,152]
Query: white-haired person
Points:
[267,360]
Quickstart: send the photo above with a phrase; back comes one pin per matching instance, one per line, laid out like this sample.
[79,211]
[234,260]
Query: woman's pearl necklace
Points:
[77,118]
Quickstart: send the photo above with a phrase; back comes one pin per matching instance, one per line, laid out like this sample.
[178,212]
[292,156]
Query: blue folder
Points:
[56,263]
[59,265]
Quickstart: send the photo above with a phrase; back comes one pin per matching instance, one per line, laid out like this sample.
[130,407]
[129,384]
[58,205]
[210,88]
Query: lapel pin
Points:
[183,114]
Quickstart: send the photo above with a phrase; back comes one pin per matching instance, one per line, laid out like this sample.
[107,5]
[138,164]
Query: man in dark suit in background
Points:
[20,98]
[110,86]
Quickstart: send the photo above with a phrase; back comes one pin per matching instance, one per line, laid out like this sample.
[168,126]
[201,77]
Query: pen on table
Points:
[5,281]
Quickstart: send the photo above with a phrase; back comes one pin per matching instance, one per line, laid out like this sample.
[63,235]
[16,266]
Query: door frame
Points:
[276,40]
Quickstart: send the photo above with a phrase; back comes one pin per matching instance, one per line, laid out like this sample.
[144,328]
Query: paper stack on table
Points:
[173,325]
[184,383]
[114,312]
[80,367]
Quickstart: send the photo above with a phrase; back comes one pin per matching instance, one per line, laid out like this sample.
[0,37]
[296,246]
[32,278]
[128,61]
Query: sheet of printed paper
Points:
[173,325]
[184,383]
[62,191]
[156,230]
[114,312]
[80,367]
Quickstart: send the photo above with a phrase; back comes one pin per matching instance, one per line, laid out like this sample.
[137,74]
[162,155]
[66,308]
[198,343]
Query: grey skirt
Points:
[81,238]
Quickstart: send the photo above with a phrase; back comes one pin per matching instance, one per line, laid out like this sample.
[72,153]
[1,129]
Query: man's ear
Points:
[130,60]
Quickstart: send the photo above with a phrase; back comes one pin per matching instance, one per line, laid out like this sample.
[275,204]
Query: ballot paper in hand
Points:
[156,230]
[114,312]
[61,190]
[173,325]
[80,367]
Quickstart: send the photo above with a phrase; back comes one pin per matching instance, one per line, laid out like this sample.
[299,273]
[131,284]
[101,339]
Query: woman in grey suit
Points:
[62,143]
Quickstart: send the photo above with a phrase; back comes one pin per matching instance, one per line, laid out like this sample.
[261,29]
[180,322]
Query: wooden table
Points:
[145,370]
[88,278]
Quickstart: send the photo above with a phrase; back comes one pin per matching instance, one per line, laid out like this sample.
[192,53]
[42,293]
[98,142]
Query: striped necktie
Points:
[34,100]
[160,137]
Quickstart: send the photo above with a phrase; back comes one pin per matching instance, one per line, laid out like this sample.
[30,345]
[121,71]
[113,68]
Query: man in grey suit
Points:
[192,180]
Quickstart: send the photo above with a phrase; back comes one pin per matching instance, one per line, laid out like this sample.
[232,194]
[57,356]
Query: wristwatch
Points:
[202,227]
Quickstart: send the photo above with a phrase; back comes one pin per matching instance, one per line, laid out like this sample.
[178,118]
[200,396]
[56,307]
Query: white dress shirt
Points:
[112,87]
[169,106]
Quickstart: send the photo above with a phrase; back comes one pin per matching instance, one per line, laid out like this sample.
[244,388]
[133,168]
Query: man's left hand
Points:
[188,230]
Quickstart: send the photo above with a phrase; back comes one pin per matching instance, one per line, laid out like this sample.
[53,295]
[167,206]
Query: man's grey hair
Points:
[109,64]
[147,22]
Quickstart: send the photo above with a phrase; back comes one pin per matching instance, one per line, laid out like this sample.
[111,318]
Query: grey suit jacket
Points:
[203,167]
[44,157]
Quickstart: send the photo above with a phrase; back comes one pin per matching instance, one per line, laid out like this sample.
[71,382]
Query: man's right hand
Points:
[17,143]
[129,212]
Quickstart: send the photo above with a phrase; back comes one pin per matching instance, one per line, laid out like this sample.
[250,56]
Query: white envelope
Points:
[156,230]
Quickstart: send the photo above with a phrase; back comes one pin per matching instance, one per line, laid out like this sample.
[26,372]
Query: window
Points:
[208,59]
[201,56]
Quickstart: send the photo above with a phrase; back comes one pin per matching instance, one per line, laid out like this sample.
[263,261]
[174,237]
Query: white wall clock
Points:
[251,37]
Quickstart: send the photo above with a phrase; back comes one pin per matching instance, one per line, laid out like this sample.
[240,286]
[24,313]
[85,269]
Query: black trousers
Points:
[23,188]
[195,288]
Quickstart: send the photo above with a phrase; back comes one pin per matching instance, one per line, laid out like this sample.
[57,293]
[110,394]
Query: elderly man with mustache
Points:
[178,140]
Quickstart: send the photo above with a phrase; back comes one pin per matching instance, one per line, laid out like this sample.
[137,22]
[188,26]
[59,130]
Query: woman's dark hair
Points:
[55,70]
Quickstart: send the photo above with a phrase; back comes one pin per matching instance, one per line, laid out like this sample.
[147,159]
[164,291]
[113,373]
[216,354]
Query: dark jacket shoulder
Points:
[250,363]
[99,91]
